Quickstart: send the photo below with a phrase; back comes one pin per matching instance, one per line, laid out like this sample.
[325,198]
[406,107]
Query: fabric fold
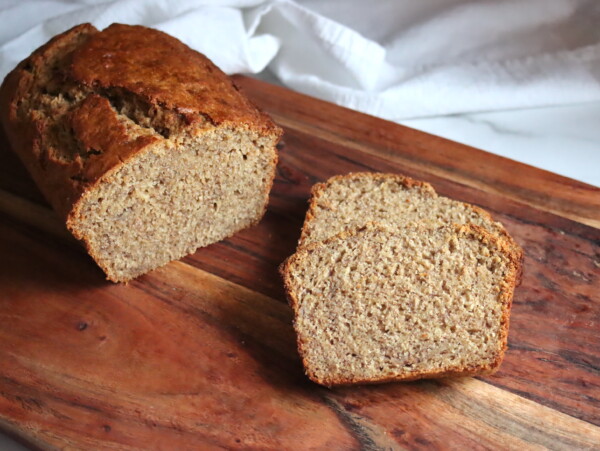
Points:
[395,59]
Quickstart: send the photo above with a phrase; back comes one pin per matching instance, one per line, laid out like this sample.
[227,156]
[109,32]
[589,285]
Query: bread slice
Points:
[376,304]
[349,201]
[142,145]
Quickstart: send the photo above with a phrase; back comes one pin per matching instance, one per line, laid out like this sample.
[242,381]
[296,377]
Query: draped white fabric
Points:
[395,59]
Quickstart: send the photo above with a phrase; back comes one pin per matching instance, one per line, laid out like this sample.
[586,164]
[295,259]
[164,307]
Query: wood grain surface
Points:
[200,354]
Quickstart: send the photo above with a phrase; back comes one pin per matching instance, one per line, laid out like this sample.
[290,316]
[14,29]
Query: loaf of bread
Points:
[378,304]
[349,201]
[145,148]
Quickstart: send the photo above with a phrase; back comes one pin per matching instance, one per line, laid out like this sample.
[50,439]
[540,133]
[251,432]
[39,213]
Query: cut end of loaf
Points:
[173,197]
[375,305]
[147,158]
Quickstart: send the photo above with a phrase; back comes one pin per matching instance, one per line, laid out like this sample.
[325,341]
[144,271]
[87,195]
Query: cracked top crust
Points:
[87,101]
[163,71]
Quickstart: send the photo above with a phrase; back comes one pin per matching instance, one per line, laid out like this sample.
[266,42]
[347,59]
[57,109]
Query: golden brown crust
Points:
[58,180]
[122,61]
[506,297]
[164,72]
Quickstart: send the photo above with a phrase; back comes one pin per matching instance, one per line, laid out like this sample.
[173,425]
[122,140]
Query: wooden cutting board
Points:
[200,354]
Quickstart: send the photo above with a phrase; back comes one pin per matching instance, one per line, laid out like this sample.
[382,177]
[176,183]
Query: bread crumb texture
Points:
[143,145]
[378,304]
[349,201]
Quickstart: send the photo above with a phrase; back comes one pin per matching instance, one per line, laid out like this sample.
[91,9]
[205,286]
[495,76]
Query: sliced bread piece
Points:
[376,304]
[349,201]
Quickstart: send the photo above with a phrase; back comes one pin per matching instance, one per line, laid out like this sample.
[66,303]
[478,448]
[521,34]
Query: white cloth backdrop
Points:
[396,59]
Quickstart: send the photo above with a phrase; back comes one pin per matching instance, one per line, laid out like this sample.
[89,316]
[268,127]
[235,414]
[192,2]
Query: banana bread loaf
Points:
[144,147]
